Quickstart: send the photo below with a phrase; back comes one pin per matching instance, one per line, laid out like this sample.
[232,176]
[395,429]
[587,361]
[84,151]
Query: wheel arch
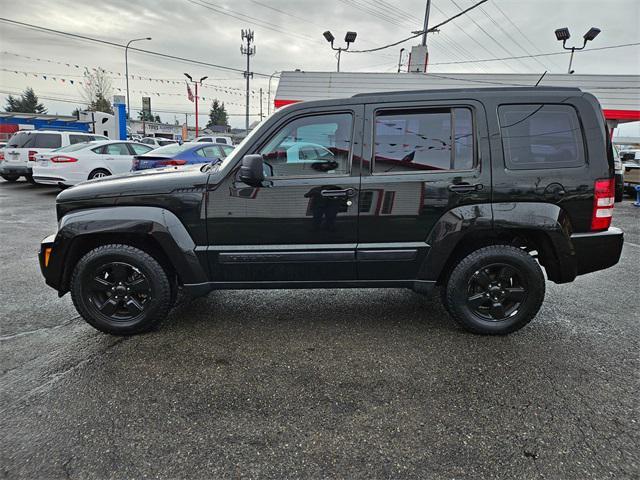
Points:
[155,230]
[535,227]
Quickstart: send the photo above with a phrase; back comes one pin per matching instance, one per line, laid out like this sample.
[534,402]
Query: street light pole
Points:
[126,66]
[350,37]
[196,83]
[269,92]
[562,34]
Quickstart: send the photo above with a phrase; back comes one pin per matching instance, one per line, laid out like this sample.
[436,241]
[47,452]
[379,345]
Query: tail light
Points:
[63,159]
[32,155]
[603,201]
[135,163]
[1,155]
[169,163]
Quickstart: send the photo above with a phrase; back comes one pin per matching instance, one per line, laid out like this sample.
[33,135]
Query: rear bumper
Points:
[597,251]
[9,169]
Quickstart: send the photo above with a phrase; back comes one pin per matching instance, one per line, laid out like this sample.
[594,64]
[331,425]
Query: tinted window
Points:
[314,145]
[147,141]
[540,136]
[139,149]
[419,140]
[116,149]
[226,150]
[221,140]
[80,138]
[165,142]
[47,140]
[21,140]
[205,139]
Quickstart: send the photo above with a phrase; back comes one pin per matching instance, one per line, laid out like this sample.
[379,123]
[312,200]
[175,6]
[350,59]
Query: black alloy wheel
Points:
[496,292]
[119,291]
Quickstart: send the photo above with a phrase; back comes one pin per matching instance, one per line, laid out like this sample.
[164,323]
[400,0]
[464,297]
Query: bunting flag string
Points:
[118,75]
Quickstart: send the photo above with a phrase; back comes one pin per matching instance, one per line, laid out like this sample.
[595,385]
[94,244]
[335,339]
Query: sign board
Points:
[146,105]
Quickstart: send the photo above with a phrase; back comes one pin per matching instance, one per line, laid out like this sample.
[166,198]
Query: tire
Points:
[99,173]
[30,179]
[495,290]
[10,178]
[121,290]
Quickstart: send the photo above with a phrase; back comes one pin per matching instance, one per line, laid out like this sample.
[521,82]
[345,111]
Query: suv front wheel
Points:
[120,289]
[495,290]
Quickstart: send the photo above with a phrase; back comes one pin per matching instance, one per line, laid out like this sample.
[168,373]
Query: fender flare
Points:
[493,219]
[160,224]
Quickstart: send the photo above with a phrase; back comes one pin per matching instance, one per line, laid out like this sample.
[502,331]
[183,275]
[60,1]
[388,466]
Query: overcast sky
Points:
[288,35]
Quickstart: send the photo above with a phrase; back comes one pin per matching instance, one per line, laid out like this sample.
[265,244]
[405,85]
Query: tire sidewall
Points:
[88,266]
[530,274]
[92,175]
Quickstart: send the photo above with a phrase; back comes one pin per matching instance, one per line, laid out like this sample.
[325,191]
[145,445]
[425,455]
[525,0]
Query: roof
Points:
[619,95]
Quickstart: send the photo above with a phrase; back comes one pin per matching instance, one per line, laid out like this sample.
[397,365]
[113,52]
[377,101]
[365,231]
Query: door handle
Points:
[465,187]
[347,192]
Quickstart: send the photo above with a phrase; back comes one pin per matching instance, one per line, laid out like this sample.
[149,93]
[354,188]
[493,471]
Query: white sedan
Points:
[85,161]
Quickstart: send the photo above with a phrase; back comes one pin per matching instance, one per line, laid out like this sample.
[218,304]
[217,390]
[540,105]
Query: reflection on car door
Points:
[302,224]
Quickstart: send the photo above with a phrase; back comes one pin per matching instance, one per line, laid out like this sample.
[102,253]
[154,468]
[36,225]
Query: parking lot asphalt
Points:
[325,383]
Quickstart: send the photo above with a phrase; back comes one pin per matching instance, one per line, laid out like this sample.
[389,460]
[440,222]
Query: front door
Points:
[301,225]
[421,160]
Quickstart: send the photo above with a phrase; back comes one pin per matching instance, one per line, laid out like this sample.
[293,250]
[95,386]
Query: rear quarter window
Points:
[541,136]
[81,138]
[47,140]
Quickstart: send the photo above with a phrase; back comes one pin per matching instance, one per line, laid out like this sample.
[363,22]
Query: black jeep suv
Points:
[469,190]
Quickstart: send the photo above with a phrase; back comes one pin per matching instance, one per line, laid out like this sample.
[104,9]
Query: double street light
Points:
[562,34]
[350,37]
[126,65]
[196,83]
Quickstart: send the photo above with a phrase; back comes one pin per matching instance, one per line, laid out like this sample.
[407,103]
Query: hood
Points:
[144,182]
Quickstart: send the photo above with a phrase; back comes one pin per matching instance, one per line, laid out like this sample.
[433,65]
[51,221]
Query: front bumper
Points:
[597,251]
[9,169]
[50,264]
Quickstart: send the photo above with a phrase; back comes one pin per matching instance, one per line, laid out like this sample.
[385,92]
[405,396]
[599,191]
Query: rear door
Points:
[421,160]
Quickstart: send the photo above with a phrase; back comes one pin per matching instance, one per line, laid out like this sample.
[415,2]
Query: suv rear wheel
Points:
[495,290]
[120,289]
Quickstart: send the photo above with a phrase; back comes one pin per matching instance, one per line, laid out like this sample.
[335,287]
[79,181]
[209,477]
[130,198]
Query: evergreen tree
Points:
[218,114]
[26,103]
[148,117]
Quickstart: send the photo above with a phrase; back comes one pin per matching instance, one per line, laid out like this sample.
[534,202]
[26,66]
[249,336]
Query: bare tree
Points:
[96,90]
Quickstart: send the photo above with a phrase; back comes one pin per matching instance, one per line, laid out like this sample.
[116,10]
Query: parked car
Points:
[22,148]
[403,206]
[177,155]
[156,142]
[215,139]
[631,163]
[85,161]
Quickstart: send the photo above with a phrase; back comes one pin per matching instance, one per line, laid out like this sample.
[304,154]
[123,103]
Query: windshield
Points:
[171,149]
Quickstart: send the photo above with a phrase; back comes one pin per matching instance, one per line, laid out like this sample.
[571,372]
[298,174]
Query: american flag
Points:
[189,93]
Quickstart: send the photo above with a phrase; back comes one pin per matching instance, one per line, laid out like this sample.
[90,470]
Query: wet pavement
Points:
[325,383]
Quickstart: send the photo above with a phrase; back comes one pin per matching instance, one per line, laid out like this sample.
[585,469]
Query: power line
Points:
[118,45]
[538,55]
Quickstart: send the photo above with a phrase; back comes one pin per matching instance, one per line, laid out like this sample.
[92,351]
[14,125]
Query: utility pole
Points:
[426,23]
[248,50]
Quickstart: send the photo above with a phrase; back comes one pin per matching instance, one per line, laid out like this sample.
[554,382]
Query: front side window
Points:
[139,149]
[47,140]
[423,140]
[540,136]
[208,152]
[310,146]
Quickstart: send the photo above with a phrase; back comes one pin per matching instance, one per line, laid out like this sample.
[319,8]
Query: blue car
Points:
[185,154]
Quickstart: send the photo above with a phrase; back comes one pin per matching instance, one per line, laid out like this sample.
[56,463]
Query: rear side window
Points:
[206,139]
[47,140]
[221,140]
[540,136]
[139,149]
[423,140]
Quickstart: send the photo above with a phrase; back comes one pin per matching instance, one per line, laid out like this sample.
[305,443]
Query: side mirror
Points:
[252,170]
